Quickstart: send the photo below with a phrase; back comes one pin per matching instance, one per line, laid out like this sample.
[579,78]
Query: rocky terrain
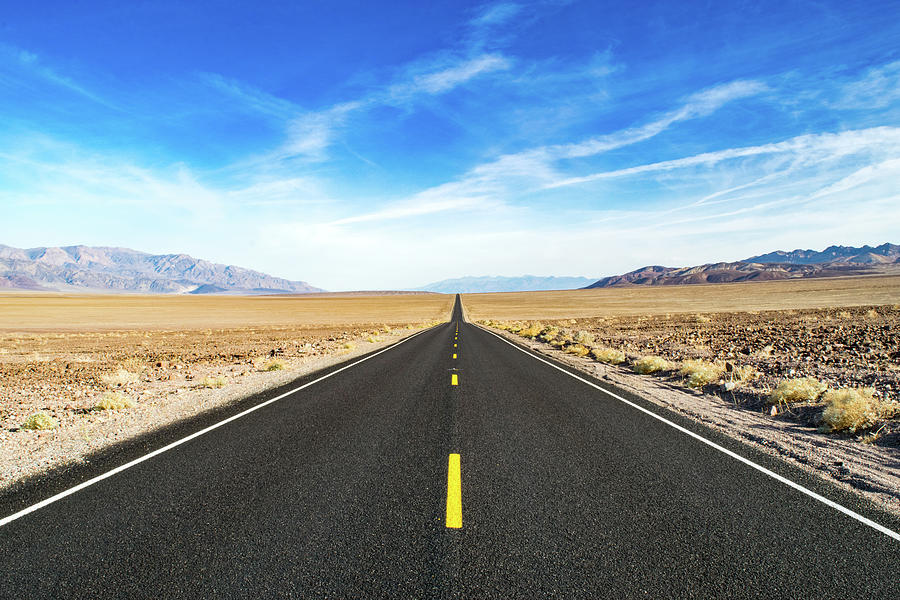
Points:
[835,261]
[101,269]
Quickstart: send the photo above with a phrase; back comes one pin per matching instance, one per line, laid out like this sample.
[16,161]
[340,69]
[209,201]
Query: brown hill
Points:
[734,272]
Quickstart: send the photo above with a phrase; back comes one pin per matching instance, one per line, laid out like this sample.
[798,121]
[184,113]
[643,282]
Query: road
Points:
[345,489]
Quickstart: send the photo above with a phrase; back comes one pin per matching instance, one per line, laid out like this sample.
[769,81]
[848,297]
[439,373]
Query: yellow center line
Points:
[454,356]
[454,379]
[454,493]
[454,345]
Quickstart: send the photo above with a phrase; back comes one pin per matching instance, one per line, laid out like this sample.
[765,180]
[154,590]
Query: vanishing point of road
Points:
[450,465]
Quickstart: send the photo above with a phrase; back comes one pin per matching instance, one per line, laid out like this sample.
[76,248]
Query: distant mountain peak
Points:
[492,283]
[885,253]
[108,269]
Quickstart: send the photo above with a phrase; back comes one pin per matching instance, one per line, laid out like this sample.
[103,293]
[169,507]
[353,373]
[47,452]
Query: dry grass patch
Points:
[700,373]
[800,389]
[40,421]
[650,364]
[213,382]
[549,334]
[851,409]
[610,356]
[532,331]
[585,338]
[119,378]
[578,350]
[736,376]
[113,401]
[274,365]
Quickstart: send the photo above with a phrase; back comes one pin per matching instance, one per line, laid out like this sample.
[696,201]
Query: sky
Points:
[386,145]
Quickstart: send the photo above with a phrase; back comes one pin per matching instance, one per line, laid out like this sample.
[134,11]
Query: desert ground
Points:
[794,365]
[102,369]
[661,300]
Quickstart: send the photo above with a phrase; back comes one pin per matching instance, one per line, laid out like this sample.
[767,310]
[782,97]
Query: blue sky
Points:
[361,145]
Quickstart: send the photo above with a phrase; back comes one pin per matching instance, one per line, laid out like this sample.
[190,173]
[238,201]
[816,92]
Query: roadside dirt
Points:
[167,376]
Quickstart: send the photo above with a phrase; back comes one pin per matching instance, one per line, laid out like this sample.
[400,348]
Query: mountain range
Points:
[834,261]
[525,283]
[102,269]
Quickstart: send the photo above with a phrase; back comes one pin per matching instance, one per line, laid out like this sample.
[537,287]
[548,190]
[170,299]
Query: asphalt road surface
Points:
[347,489]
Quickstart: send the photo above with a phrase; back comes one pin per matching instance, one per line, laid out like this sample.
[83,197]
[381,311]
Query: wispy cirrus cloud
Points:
[493,183]
[812,148]
[32,66]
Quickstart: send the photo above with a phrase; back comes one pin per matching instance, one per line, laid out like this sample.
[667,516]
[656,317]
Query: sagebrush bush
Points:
[700,373]
[650,364]
[532,330]
[799,389]
[578,350]
[113,401]
[585,338]
[40,421]
[609,356]
[120,377]
[549,333]
[851,409]
[275,365]
[213,382]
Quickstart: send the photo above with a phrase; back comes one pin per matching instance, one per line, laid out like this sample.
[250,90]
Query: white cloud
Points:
[806,148]
[879,87]
[31,64]
[444,80]
[700,104]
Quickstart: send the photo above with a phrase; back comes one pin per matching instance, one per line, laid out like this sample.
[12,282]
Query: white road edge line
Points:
[746,461]
[197,434]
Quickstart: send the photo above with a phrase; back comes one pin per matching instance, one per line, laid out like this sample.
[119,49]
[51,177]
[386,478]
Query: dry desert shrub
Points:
[40,421]
[610,356]
[578,350]
[213,382]
[113,401]
[650,364]
[549,333]
[850,409]
[800,389]
[585,338]
[700,373]
[532,330]
[274,365]
[119,378]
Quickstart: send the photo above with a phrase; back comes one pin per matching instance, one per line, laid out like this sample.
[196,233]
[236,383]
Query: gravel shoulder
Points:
[870,470]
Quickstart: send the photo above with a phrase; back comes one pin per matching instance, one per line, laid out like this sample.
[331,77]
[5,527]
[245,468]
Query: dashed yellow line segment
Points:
[454,493]
[454,379]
